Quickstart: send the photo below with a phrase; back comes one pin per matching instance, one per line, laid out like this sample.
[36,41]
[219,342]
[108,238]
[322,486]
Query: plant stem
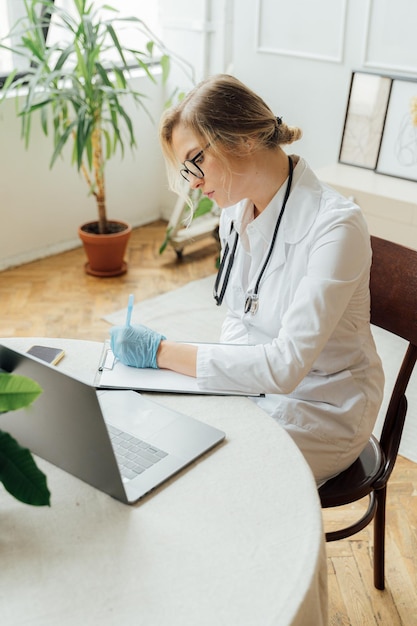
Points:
[98,167]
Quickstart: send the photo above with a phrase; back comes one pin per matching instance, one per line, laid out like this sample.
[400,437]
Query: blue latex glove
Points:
[135,345]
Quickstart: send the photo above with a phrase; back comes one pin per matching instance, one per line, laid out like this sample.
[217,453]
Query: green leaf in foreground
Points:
[17,392]
[20,474]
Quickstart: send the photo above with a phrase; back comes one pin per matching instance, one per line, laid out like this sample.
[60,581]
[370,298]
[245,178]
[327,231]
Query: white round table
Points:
[235,539]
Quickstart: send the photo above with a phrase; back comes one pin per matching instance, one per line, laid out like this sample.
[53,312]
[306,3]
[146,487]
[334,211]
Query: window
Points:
[12,10]
[6,63]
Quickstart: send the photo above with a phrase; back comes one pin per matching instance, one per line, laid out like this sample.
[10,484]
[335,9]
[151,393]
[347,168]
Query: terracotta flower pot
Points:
[105,253]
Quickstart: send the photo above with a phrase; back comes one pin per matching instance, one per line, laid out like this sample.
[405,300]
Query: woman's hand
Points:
[135,345]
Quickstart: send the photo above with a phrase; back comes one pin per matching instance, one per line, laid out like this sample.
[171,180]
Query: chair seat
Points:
[357,480]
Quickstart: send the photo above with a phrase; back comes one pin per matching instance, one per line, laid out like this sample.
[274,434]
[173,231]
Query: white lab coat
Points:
[309,347]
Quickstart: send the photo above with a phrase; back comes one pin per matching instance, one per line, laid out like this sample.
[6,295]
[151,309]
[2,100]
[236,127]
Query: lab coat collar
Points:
[303,203]
[299,215]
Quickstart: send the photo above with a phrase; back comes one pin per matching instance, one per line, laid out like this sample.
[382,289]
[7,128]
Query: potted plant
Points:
[79,96]
[18,471]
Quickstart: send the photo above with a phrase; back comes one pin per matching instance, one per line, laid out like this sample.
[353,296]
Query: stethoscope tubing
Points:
[251,301]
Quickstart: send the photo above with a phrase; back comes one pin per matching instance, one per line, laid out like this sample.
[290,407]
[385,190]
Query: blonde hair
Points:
[223,112]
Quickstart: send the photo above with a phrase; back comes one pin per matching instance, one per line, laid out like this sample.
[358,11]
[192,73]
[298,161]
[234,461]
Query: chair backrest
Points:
[393,287]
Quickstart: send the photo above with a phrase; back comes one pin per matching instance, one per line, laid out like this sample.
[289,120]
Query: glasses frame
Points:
[185,171]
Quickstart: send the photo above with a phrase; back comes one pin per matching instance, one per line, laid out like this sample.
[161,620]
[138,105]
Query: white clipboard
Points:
[112,374]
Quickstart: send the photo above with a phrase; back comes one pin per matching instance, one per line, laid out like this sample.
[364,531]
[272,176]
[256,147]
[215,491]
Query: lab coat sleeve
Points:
[338,265]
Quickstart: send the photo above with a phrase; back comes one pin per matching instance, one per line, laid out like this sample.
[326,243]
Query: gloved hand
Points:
[135,345]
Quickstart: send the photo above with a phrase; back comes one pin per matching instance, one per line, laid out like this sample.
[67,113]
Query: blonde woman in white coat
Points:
[294,278]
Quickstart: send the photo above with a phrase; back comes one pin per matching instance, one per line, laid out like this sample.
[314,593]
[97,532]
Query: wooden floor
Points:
[54,297]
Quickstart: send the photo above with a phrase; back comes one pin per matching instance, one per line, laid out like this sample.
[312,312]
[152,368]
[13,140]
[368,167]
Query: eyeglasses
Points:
[191,166]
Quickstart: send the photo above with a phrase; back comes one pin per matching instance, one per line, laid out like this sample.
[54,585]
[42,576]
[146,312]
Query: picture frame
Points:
[398,153]
[365,119]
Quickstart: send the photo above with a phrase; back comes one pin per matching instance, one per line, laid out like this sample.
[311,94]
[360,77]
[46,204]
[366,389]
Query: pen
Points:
[129,309]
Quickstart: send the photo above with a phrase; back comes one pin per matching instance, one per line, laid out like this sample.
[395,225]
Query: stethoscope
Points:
[252,296]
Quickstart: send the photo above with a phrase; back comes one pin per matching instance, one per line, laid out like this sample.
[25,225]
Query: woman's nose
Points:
[196,182]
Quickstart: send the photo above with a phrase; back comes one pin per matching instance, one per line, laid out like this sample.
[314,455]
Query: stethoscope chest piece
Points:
[251,303]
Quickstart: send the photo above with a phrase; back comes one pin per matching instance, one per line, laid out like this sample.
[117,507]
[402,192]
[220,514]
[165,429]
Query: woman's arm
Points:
[179,357]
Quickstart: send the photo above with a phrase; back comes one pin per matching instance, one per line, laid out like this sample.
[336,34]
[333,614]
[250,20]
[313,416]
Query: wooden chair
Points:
[393,287]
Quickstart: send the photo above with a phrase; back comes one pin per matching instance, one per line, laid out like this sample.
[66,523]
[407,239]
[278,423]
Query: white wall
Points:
[41,209]
[200,32]
[299,56]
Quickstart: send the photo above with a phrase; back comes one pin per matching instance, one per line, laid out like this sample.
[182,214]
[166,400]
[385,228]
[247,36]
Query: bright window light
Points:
[12,10]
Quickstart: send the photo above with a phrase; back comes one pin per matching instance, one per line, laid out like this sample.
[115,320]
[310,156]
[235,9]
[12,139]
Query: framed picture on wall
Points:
[398,154]
[365,117]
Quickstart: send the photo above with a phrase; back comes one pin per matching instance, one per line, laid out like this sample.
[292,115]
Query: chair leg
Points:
[379,539]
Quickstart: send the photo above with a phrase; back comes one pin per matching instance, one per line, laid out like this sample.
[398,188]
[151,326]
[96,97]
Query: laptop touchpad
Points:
[130,411]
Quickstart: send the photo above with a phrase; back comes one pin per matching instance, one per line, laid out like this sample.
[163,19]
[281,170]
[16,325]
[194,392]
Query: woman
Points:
[294,278]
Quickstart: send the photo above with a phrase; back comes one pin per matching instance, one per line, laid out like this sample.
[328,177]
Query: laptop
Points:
[89,432]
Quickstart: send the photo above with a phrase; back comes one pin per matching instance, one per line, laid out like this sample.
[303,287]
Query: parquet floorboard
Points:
[54,297]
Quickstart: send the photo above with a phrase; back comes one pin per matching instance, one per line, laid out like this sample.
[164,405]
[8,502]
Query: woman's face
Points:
[226,186]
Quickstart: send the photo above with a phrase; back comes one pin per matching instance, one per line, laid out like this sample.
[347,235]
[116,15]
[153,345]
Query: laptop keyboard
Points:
[133,455]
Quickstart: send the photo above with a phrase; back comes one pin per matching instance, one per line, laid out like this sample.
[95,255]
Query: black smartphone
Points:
[50,355]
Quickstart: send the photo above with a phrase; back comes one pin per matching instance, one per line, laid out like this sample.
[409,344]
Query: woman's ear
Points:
[247,145]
